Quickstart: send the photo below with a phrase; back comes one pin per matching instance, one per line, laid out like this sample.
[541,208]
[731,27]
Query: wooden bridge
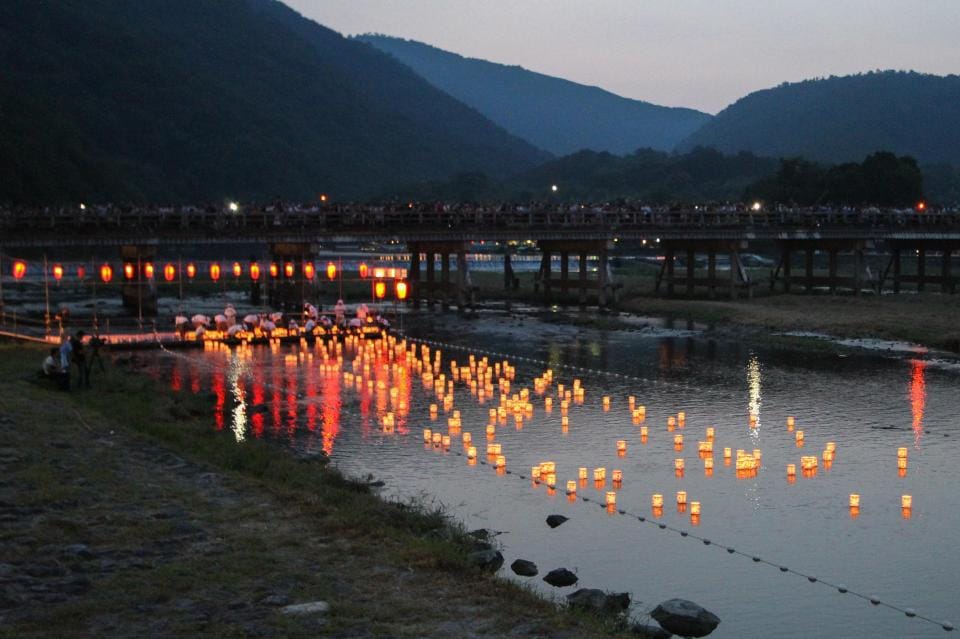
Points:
[691,238]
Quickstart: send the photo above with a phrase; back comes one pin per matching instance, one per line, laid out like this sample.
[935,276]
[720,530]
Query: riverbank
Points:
[124,514]
[929,319]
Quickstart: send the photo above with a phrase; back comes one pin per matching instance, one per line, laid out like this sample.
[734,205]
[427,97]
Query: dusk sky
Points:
[697,53]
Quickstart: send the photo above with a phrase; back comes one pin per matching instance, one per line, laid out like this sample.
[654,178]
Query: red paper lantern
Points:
[214,271]
[331,271]
[380,289]
[237,269]
[129,270]
[106,273]
[274,269]
[309,270]
[401,290]
[19,269]
[254,271]
[169,272]
[57,272]
[148,270]
[191,270]
[364,270]
[288,269]
[81,272]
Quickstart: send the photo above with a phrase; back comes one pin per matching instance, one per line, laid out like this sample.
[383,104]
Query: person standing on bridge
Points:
[340,311]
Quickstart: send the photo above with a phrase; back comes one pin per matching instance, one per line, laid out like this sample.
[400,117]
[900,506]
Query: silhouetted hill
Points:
[842,119]
[174,100]
[553,114]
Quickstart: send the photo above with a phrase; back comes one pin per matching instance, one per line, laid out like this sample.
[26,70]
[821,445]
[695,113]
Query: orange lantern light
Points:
[191,270]
[254,271]
[129,271]
[237,269]
[309,270]
[148,270]
[380,290]
[57,272]
[106,273]
[331,271]
[364,270]
[169,272]
[81,272]
[274,270]
[379,273]
[19,269]
[214,271]
[401,290]
[288,269]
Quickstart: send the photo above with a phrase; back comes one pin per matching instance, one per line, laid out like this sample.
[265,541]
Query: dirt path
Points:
[108,530]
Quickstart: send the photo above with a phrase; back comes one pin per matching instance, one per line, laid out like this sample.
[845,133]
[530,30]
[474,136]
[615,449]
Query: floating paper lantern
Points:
[622,445]
[643,431]
[831,446]
[678,463]
[791,470]
[710,432]
[799,436]
[445,440]
[535,472]
[681,497]
[854,500]
[671,421]
[906,502]
[902,464]
[656,500]
[617,476]
[791,421]
[901,453]
[611,498]
[501,461]
[681,418]
[437,439]
[582,473]
[571,487]
[678,441]
[727,453]
[467,438]
[708,463]
[694,508]
[705,447]
[427,434]
[551,480]
[471,452]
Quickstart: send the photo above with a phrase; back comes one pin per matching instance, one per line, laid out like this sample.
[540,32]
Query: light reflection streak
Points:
[753,384]
[918,397]
[237,372]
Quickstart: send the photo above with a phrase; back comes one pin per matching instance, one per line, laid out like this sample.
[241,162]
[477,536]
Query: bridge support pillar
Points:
[737,279]
[289,292]
[139,293]
[461,291]
[920,248]
[603,284]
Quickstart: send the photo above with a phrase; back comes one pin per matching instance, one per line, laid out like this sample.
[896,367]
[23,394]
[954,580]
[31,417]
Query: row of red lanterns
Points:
[170,271]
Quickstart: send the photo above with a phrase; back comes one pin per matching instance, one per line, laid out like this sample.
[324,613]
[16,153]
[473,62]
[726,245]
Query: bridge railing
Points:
[379,220]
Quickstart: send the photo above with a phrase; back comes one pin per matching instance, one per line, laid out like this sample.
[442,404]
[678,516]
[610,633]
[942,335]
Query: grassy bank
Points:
[125,514]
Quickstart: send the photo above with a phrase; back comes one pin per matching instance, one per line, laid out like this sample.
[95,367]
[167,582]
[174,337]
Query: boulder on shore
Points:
[524,568]
[647,631]
[560,578]
[489,560]
[598,601]
[685,618]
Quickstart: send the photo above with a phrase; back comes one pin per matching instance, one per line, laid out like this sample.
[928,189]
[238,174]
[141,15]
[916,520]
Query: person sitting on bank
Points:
[51,368]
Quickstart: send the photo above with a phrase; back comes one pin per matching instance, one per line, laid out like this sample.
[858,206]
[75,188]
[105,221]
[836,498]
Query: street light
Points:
[554,188]
[234,207]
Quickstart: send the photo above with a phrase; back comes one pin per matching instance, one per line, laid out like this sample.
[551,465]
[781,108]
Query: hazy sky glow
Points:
[698,53]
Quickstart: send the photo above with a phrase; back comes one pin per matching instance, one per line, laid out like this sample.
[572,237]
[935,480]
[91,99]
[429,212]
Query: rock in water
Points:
[489,560]
[561,577]
[555,520]
[685,618]
[594,600]
[524,568]
[645,631]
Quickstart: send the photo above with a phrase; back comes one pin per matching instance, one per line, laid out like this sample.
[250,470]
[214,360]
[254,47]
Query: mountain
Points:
[550,113]
[843,119]
[193,100]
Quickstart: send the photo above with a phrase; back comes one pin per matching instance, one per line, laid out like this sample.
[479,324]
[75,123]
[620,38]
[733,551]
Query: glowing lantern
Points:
[727,453]
[643,431]
[678,463]
[694,508]
[214,271]
[671,422]
[254,271]
[129,270]
[906,502]
[380,290]
[445,440]
[621,445]
[799,436]
[191,270]
[148,270]
[288,269]
[678,441]
[274,270]
[582,473]
[379,273]
[364,270]
[237,269]
[106,273]
[535,472]
[81,272]
[681,497]
[331,271]
[854,500]
[401,290]
[617,476]
[902,464]
[467,438]
[571,487]
[656,500]
[437,439]
[831,446]
[57,272]
[19,269]
[501,461]
[901,453]
[708,463]
[427,434]
[611,498]
[169,272]
[791,421]
[791,470]
[681,418]
[705,447]
[710,433]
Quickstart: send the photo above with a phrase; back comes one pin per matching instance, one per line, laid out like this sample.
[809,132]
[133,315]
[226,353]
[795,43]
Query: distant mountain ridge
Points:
[551,113]
[842,119]
[198,100]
